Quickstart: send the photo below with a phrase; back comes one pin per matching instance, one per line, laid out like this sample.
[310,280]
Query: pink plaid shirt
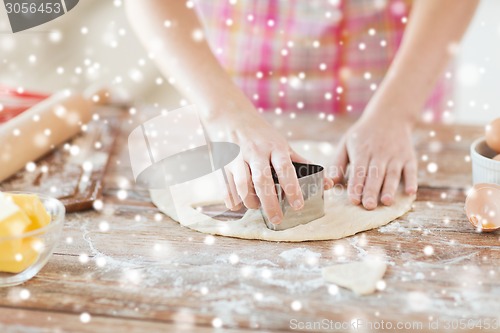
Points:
[309,55]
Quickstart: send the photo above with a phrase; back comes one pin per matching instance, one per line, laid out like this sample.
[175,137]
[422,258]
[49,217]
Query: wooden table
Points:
[148,274]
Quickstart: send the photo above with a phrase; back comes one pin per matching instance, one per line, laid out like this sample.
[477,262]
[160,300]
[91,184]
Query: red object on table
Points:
[15,101]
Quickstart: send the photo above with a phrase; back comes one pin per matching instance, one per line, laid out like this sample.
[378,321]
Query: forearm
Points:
[182,56]
[434,29]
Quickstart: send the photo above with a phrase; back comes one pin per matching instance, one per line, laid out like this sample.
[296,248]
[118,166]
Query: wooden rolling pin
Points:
[40,129]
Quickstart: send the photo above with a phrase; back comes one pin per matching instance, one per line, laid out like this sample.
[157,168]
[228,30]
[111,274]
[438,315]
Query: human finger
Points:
[287,178]
[340,163]
[245,186]
[357,177]
[265,189]
[373,183]
[391,182]
[410,176]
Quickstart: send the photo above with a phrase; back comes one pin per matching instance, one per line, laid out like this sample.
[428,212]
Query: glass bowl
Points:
[23,256]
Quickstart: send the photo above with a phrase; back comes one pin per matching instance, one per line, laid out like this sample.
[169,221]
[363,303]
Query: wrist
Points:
[231,107]
[395,103]
[391,114]
[402,95]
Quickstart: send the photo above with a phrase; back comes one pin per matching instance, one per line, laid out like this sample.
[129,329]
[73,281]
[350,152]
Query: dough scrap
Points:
[341,219]
[360,277]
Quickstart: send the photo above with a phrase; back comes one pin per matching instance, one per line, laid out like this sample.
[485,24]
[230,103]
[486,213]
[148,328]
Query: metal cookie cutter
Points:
[310,178]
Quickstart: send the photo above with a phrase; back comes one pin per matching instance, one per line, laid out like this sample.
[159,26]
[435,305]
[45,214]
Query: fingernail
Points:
[370,203]
[236,208]
[297,204]
[411,190]
[355,201]
[276,220]
[386,199]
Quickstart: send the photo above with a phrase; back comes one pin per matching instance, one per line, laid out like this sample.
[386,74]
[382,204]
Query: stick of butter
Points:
[19,213]
[13,221]
[32,206]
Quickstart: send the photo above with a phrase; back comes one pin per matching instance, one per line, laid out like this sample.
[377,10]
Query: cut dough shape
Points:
[360,277]
[341,219]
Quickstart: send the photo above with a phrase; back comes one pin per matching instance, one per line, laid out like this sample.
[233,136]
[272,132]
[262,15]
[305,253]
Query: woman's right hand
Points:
[250,181]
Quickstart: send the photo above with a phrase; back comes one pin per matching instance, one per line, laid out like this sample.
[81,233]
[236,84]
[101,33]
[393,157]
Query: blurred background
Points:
[94,44]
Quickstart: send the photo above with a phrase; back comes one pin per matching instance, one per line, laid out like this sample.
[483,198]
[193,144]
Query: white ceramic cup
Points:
[484,168]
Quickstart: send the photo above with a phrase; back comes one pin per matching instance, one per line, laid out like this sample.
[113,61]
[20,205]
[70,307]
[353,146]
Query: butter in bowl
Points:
[30,227]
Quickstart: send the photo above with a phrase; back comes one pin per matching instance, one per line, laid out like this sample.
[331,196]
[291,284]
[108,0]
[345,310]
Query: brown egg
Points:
[497,158]
[482,207]
[493,135]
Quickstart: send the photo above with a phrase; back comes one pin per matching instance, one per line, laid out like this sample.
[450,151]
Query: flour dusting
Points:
[299,254]
[394,227]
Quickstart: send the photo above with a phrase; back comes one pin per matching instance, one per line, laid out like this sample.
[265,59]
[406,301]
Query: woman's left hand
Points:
[380,152]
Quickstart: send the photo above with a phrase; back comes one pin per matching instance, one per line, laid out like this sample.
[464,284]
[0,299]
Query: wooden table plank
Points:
[146,271]
[28,321]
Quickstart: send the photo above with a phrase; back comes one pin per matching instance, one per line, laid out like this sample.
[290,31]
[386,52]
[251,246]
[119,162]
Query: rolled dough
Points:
[341,218]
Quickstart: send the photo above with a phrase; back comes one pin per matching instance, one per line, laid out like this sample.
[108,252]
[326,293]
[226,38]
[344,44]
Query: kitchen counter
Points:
[147,273]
